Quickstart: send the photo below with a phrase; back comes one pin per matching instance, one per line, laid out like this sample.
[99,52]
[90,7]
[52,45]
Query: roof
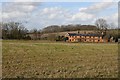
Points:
[72,34]
[75,34]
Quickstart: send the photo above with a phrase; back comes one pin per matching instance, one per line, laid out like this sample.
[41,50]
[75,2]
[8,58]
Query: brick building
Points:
[74,37]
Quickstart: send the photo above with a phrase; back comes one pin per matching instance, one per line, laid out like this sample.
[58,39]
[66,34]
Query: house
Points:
[90,37]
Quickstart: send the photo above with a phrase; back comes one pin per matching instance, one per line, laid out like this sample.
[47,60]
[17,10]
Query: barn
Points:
[91,37]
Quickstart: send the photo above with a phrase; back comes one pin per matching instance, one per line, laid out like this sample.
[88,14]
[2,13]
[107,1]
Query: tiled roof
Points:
[72,34]
[75,34]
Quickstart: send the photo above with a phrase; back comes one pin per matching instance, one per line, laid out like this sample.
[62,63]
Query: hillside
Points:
[63,33]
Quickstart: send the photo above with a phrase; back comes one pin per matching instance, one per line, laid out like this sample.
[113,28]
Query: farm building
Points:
[74,37]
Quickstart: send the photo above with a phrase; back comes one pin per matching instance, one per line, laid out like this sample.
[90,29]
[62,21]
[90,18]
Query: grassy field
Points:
[38,59]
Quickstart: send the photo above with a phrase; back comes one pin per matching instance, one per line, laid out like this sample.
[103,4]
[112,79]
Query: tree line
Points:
[16,30]
[13,30]
[70,27]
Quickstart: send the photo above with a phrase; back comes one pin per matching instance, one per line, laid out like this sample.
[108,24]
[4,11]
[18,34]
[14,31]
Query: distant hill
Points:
[66,28]
[63,33]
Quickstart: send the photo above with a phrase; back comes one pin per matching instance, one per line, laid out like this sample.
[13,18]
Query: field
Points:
[37,59]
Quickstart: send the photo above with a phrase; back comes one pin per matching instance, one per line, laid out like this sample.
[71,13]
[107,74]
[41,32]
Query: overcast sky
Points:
[41,14]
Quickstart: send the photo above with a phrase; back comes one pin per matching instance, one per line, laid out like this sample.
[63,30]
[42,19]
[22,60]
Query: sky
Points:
[42,13]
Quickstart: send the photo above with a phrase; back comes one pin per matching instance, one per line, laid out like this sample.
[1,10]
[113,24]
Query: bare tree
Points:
[13,30]
[101,24]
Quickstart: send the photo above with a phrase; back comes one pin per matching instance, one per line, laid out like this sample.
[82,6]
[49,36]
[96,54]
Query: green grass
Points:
[55,60]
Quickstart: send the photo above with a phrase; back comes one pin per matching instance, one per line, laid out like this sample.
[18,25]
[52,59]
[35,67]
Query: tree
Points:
[101,24]
[34,33]
[59,38]
[13,30]
[112,26]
